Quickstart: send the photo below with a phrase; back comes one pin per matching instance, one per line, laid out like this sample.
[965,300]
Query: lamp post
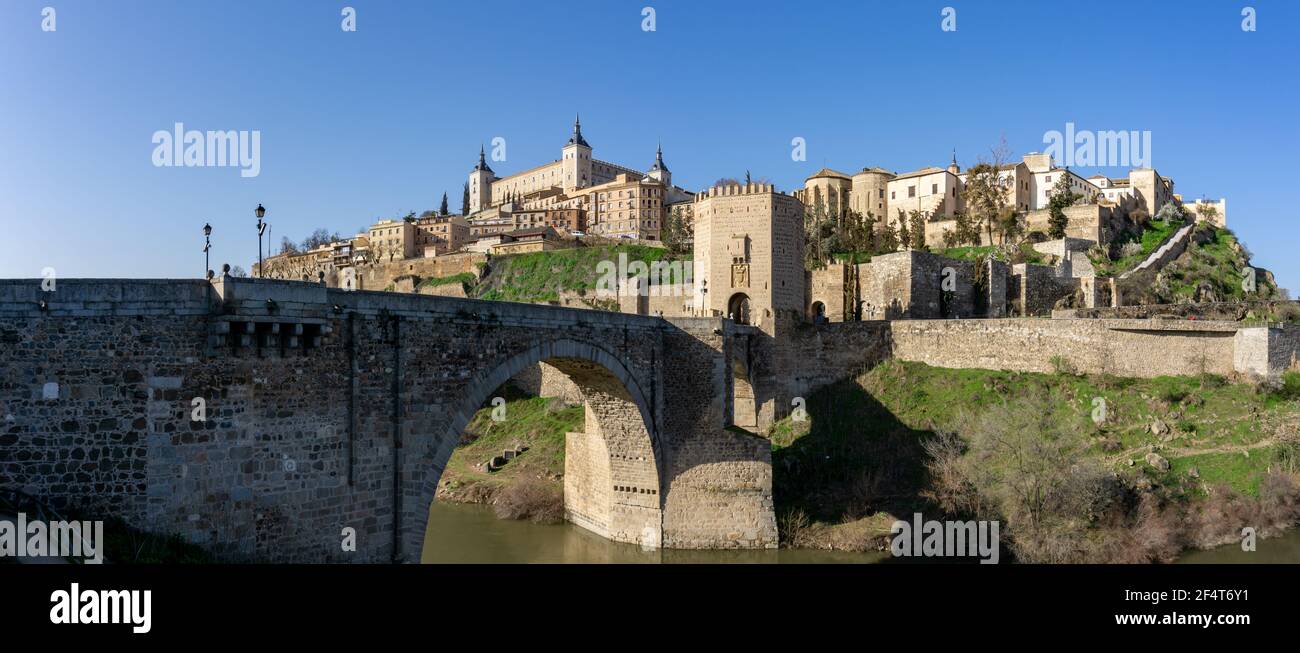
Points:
[261,229]
[207,246]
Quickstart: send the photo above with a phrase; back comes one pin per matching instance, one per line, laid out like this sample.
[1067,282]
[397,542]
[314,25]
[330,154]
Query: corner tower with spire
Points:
[480,184]
[575,161]
[659,171]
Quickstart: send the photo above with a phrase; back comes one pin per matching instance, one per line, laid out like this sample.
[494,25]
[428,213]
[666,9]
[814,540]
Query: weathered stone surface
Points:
[1157,461]
[353,430]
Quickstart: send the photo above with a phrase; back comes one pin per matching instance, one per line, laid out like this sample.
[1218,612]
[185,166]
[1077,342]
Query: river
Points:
[459,533]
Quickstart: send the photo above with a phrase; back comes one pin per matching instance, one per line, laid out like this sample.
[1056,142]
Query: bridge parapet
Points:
[105,297]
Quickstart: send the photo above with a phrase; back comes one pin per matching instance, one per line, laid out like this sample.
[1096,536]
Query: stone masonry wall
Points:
[329,410]
[378,276]
[910,284]
[544,380]
[1283,350]
[826,286]
[717,479]
[1040,288]
[587,483]
[1132,348]
[810,358]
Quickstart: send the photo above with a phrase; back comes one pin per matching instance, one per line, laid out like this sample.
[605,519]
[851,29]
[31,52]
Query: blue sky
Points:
[381,121]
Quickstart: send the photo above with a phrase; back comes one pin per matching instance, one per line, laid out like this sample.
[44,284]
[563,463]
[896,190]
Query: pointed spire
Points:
[659,159]
[482,160]
[577,138]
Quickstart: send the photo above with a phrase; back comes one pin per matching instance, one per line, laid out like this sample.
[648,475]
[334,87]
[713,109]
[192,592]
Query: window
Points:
[934,189]
[911,191]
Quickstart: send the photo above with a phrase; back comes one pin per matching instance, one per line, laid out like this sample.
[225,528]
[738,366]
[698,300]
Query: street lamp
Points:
[261,229]
[207,246]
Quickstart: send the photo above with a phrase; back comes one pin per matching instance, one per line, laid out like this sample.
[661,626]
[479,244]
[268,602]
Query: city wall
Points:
[1132,348]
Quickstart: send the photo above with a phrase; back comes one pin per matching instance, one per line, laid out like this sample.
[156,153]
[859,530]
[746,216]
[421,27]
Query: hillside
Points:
[1024,449]
[1213,267]
[545,276]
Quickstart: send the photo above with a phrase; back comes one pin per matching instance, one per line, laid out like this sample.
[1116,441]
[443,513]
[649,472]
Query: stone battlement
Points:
[732,189]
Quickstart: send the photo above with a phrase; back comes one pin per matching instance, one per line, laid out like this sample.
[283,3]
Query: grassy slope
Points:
[1150,239]
[540,423]
[859,454]
[1214,255]
[1218,261]
[465,279]
[542,276]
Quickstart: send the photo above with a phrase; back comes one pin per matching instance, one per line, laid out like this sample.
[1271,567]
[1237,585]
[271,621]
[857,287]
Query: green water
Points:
[1277,550]
[472,534]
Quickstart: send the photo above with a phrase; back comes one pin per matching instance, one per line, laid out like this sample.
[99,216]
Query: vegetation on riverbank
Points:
[1076,468]
[529,486]
[1173,463]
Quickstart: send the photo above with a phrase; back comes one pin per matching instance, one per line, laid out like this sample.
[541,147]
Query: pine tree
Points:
[464,200]
[442,210]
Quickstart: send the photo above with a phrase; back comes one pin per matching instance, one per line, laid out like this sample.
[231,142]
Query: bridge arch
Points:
[614,487]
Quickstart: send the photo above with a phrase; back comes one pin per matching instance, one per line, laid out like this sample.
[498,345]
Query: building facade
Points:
[577,192]
[748,255]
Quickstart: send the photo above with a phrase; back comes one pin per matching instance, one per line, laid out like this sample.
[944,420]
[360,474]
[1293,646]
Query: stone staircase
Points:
[497,462]
[1166,252]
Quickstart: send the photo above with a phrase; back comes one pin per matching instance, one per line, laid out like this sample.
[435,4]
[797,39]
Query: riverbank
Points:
[1076,469]
[530,484]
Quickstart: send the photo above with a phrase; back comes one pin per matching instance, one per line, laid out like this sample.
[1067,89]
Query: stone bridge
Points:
[279,421]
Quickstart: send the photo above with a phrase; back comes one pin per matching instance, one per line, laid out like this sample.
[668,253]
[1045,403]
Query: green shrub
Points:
[1290,385]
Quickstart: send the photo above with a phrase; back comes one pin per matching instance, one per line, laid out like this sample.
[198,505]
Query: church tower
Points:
[576,160]
[659,171]
[480,184]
